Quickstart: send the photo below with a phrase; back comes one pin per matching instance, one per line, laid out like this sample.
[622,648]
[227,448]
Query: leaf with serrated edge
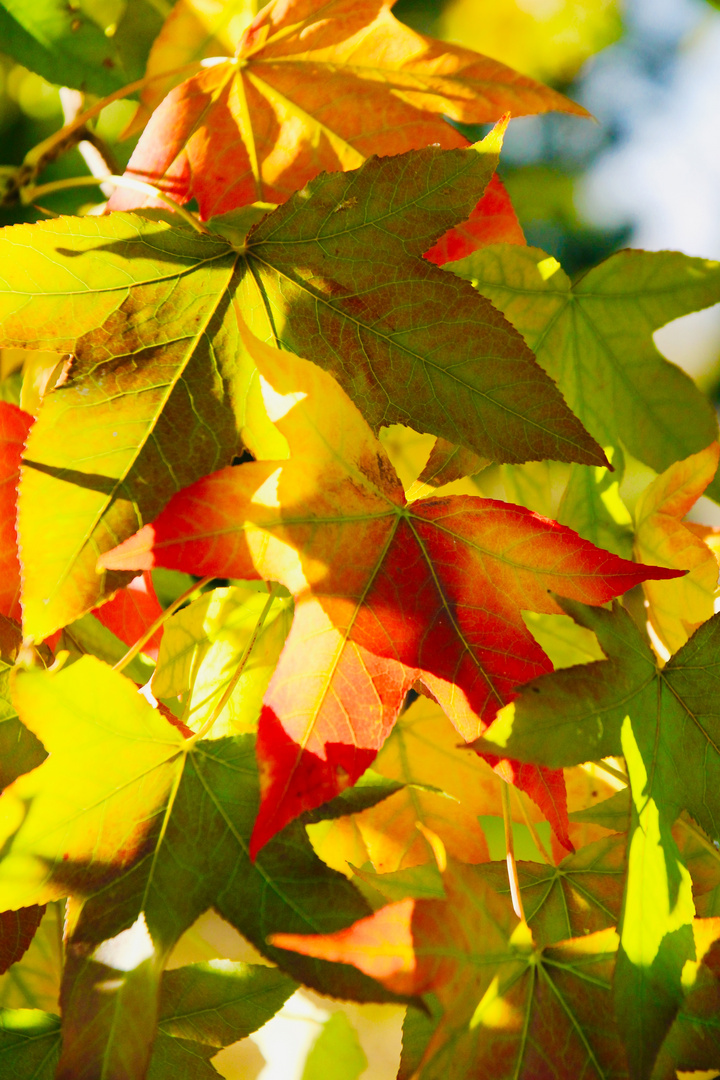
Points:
[505,1005]
[662,539]
[665,723]
[318,86]
[143,309]
[594,337]
[142,813]
[331,525]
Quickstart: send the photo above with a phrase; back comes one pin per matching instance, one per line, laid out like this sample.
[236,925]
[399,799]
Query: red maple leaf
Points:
[386,592]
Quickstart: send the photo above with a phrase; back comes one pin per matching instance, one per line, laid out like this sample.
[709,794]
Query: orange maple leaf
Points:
[318,85]
[386,592]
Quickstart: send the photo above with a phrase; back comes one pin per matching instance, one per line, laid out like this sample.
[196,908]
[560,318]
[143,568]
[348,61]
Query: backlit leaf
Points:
[329,274]
[331,525]
[594,337]
[142,814]
[147,302]
[29,1043]
[318,86]
[662,539]
[665,723]
[504,1006]
[69,44]
[203,645]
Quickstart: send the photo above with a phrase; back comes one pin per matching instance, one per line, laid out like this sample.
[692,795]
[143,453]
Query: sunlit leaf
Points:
[331,525]
[665,723]
[203,646]
[14,428]
[594,337]
[662,539]
[70,45]
[318,86]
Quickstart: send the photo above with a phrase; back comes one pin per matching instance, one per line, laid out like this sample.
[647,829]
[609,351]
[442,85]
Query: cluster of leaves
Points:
[342,475]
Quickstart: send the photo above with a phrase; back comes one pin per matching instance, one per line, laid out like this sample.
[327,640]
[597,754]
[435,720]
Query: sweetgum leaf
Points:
[665,722]
[492,221]
[579,896]
[594,337]
[318,85]
[340,272]
[126,813]
[112,1016]
[662,539]
[68,45]
[505,1007]
[336,1054]
[337,274]
[332,525]
[149,402]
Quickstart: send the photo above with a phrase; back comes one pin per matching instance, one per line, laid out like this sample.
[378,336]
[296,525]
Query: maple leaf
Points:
[318,85]
[662,539]
[128,811]
[504,1006]
[665,723]
[14,428]
[596,333]
[154,332]
[332,525]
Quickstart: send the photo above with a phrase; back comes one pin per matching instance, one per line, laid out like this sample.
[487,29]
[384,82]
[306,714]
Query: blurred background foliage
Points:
[647,174]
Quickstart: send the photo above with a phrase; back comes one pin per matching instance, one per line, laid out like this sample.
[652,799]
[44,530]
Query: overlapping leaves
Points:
[331,524]
[318,85]
[160,387]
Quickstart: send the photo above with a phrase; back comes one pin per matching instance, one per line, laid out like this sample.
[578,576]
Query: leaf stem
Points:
[230,688]
[55,143]
[32,192]
[161,619]
[510,856]
[618,774]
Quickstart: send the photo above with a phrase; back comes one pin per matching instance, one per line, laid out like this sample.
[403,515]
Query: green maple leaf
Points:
[666,723]
[501,1006]
[200,1009]
[126,812]
[158,391]
[594,338]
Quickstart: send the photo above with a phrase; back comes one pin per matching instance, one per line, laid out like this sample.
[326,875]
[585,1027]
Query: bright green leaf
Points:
[69,44]
[203,645]
[594,337]
[336,1054]
[29,1044]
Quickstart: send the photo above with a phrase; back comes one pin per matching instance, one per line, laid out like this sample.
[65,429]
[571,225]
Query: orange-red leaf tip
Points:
[136,553]
[380,945]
